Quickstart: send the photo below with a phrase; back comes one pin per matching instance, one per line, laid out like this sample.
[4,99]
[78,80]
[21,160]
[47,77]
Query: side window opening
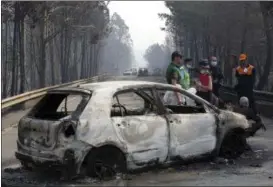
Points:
[131,104]
[54,106]
[170,101]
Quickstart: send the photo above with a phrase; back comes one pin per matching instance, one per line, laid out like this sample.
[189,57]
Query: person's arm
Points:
[178,95]
[236,74]
[237,80]
[220,75]
[174,82]
[210,84]
[253,76]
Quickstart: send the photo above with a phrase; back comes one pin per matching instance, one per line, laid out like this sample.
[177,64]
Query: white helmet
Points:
[244,102]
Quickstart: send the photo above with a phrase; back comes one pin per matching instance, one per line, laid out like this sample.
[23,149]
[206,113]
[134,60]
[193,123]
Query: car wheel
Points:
[106,163]
[233,145]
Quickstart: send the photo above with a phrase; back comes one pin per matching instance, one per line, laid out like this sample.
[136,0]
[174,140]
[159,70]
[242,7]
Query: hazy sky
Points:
[143,22]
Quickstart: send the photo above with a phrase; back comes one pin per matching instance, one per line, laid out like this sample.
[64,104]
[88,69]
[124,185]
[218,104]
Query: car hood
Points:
[234,119]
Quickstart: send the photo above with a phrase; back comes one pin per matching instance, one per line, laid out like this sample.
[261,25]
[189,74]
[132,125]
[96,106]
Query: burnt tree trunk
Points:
[14,52]
[267,26]
[5,64]
[33,62]
[245,28]
[64,62]
[51,56]
[83,56]
[75,63]
[22,57]
[42,63]
[195,47]
[62,56]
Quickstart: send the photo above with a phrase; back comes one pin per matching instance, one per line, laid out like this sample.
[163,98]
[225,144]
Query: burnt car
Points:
[143,72]
[134,71]
[127,72]
[124,126]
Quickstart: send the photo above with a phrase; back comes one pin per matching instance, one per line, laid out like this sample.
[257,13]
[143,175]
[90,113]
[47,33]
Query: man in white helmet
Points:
[244,102]
[250,115]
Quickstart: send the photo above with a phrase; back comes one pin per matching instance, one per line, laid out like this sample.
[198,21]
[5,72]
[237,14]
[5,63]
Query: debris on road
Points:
[256,165]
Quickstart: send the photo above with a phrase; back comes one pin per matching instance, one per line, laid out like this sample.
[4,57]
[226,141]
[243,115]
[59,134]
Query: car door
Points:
[191,133]
[140,128]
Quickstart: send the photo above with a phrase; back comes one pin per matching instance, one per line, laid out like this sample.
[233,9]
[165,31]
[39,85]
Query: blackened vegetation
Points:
[222,29]
[49,43]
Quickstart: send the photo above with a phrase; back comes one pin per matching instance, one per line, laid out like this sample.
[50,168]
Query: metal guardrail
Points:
[11,101]
[259,95]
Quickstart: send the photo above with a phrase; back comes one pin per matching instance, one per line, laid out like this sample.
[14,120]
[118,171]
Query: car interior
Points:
[56,106]
[132,104]
[140,103]
[189,105]
[183,109]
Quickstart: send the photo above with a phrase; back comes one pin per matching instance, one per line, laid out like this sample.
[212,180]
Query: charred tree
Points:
[22,56]
[268,32]
[14,52]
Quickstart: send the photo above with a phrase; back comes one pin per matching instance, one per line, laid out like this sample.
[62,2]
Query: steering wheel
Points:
[120,105]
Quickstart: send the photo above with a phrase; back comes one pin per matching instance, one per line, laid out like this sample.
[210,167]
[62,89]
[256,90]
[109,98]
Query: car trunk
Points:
[55,114]
[37,133]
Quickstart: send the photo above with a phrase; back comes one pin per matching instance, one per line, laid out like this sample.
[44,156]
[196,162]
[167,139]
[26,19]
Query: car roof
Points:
[115,85]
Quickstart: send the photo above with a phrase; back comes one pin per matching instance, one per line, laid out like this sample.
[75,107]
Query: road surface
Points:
[252,169]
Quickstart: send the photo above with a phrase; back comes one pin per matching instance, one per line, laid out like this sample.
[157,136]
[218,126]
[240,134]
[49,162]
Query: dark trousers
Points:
[204,95]
[216,88]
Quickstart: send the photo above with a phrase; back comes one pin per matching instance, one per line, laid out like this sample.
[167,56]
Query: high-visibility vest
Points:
[185,80]
[245,71]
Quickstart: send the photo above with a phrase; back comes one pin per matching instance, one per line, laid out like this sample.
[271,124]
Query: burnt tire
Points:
[26,166]
[105,163]
[233,145]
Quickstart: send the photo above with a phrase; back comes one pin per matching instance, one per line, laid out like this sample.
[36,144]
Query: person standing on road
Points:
[245,74]
[185,75]
[204,84]
[217,75]
[173,75]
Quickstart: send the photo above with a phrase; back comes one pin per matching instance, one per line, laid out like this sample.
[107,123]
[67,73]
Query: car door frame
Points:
[159,112]
[208,108]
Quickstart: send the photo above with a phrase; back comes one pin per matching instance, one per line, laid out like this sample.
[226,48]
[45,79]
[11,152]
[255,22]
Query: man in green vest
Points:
[173,71]
[185,75]
[173,75]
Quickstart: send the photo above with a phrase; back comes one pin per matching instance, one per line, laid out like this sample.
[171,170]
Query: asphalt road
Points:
[254,168]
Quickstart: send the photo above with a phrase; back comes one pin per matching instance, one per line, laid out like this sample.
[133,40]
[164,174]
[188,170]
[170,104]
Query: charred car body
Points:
[124,125]
[143,72]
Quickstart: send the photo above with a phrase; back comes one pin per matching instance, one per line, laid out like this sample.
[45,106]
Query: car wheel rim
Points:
[103,170]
